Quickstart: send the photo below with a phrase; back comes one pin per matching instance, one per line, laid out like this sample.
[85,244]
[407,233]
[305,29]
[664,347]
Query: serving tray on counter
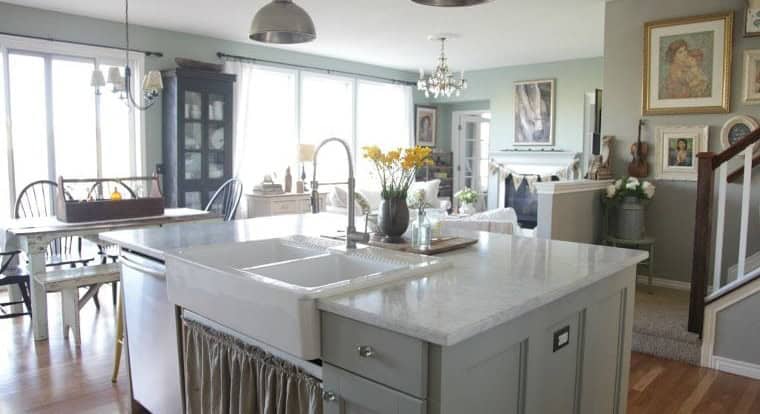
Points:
[439,245]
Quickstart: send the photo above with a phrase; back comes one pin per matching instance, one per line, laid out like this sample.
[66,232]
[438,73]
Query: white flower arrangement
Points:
[630,187]
[467,195]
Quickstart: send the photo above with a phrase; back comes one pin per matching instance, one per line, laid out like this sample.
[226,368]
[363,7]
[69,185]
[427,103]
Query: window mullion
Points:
[354,115]
[49,112]
[299,138]
[98,139]
[8,150]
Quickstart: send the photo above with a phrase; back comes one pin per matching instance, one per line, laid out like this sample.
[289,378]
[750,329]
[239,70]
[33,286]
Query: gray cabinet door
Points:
[346,393]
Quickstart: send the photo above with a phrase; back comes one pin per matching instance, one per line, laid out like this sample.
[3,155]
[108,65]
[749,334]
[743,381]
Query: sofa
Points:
[337,198]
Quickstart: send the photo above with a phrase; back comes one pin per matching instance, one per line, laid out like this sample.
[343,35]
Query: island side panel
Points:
[514,368]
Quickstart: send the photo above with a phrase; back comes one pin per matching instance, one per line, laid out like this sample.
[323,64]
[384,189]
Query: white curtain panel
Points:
[242,127]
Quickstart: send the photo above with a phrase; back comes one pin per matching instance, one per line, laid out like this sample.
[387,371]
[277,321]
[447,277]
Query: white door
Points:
[471,140]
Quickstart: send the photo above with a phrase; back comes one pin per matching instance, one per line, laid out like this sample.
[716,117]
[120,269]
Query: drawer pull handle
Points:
[365,351]
[329,396]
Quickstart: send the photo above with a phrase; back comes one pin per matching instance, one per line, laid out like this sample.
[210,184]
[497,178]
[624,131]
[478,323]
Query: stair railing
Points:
[708,162]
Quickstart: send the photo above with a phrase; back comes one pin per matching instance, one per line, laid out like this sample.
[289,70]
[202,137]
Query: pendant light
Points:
[283,22]
[451,3]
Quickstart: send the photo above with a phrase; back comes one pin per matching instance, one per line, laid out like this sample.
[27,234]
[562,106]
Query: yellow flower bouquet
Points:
[397,168]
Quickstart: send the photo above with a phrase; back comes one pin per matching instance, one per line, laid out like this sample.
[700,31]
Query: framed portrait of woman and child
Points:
[687,65]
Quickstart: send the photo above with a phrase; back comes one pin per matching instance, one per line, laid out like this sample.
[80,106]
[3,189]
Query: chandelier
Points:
[441,81]
[122,85]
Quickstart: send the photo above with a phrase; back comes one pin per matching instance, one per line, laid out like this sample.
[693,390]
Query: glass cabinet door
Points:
[216,133]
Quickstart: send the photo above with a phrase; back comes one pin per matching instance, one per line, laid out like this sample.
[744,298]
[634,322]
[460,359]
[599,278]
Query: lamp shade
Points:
[284,22]
[305,152]
[114,76]
[451,3]
[153,82]
[97,80]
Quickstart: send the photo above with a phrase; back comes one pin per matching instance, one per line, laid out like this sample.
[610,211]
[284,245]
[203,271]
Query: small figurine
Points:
[288,180]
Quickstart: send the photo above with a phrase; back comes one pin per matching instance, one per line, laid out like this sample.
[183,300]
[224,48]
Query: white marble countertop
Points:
[495,281]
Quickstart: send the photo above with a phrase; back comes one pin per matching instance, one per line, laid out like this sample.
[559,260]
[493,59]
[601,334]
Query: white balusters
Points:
[721,227]
[746,188]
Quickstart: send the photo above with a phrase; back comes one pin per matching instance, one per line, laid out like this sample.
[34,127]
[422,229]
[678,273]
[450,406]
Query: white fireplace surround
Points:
[541,163]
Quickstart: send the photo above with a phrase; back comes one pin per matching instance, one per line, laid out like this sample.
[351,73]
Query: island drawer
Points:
[346,393]
[393,359]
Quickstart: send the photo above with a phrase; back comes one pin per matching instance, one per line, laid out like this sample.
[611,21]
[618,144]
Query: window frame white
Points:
[50,50]
[355,81]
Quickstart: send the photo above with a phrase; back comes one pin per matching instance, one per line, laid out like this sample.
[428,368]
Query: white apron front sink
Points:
[267,289]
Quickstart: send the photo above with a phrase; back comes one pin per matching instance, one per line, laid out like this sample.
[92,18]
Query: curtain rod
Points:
[224,56]
[74,42]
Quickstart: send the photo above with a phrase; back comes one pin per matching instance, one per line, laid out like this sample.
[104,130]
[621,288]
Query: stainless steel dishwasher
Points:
[152,335]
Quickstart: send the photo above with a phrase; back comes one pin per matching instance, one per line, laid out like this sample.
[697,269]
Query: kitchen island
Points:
[510,325]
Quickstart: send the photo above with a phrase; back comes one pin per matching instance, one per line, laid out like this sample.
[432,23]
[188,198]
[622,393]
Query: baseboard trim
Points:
[732,366]
[666,283]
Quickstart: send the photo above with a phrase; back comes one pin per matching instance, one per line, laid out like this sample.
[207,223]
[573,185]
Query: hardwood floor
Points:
[659,386]
[56,377]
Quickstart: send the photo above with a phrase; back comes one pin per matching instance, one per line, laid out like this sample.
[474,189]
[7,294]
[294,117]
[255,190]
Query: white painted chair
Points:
[68,281]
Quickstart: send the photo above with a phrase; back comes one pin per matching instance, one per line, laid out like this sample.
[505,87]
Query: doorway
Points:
[470,141]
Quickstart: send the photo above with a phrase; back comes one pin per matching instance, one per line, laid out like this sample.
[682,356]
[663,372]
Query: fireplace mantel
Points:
[539,162]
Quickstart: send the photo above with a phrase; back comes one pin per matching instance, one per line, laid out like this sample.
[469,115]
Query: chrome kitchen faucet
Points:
[352,236]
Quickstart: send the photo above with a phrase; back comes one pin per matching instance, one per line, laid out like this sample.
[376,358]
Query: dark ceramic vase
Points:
[393,219]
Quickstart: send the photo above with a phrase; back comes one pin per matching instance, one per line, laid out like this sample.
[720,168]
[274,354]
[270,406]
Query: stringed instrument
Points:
[639,167]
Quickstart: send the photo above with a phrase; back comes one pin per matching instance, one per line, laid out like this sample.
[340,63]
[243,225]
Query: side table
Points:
[646,243]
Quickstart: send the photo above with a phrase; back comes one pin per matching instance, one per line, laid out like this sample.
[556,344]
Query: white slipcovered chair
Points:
[500,220]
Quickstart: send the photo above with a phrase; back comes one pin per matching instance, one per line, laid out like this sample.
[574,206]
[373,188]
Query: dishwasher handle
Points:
[125,261]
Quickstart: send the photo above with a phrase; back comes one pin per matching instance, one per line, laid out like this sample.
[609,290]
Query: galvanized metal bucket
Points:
[630,219]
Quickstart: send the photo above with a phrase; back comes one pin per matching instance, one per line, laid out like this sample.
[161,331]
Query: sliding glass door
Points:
[56,124]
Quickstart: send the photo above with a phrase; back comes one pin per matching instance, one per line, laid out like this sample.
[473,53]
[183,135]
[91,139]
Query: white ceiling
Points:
[391,33]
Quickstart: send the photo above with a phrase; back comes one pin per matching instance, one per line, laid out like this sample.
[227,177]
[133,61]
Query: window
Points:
[5,196]
[383,118]
[28,118]
[58,126]
[327,106]
[278,108]
[265,129]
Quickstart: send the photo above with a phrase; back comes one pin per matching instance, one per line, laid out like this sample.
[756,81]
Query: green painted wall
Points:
[29,21]
[671,214]
[494,86]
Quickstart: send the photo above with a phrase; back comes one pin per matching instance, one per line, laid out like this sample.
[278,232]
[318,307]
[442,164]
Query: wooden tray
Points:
[100,210]
[439,245]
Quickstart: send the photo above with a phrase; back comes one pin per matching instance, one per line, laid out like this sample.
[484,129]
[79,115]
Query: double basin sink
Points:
[267,289]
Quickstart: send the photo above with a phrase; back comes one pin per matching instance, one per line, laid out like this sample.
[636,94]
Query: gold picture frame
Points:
[687,65]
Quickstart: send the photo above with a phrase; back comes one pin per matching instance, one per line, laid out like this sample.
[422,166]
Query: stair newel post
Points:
[702,235]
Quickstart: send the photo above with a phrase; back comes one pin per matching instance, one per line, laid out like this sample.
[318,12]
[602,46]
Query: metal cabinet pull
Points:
[365,351]
[329,396]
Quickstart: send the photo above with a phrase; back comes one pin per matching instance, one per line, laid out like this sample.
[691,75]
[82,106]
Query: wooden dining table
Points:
[32,236]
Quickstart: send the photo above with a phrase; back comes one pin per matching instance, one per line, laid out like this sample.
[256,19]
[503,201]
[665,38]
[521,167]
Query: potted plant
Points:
[630,194]
[396,170]
[467,198]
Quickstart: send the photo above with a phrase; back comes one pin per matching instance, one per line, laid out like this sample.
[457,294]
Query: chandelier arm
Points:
[128,90]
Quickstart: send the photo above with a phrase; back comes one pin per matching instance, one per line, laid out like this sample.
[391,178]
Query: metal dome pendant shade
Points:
[284,22]
[451,3]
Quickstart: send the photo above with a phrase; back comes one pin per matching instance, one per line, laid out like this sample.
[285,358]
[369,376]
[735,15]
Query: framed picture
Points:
[687,65]
[425,125]
[676,151]
[534,112]
[737,128]
[752,76]
[752,18]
